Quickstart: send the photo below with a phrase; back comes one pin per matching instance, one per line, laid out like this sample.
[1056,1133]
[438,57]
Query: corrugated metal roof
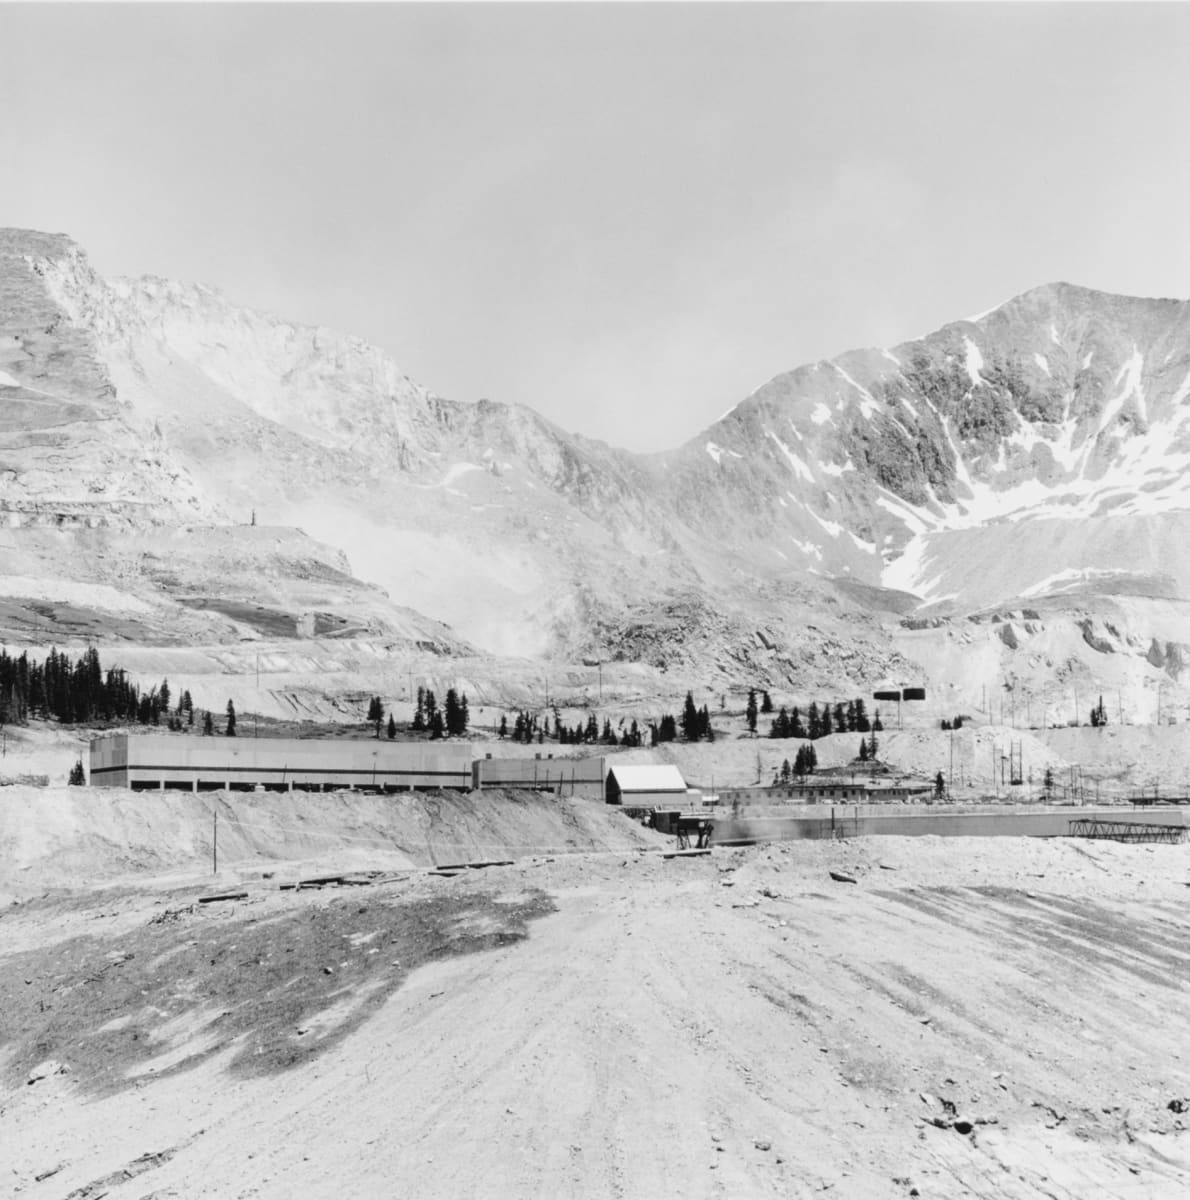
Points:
[648,777]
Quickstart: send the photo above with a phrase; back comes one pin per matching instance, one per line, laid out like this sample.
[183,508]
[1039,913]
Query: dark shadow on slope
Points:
[275,991]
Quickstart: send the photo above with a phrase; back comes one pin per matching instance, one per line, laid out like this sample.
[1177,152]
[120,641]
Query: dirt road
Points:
[991,1018]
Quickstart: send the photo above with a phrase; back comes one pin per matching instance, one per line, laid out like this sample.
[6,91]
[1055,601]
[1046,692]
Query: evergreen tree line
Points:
[953,723]
[82,691]
[695,725]
[451,720]
[821,721]
[805,762]
[528,727]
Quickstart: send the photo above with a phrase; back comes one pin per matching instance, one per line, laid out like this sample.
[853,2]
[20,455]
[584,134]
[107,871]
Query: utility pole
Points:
[950,781]
[215,842]
[601,684]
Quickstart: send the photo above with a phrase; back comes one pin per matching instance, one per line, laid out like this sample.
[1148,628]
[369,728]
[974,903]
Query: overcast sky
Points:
[626,216]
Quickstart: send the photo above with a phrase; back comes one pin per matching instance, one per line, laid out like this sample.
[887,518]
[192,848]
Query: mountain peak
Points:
[16,243]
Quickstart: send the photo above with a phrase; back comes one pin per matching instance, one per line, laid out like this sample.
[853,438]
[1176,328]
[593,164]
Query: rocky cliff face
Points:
[944,474]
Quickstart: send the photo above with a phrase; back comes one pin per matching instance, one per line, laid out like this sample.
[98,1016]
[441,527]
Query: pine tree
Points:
[77,778]
[750,711]
[939,785]
[376,714]
[796,728]
[208,725]
[863,750]
[873,745]
[877,724]
[503,725]
[780,726]
[437,725]
[453,714]
[840,718]
[813,722]
[862,724]
[689,719]
[392,728]
[766,704]
[824,718]
[231,720]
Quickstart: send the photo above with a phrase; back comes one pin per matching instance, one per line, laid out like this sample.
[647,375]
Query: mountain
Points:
[847,523]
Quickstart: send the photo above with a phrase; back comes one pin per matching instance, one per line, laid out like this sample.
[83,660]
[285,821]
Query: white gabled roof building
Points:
[643,784]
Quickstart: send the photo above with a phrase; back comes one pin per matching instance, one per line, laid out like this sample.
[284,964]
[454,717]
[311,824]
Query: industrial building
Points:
[829,791]
[835,791]
[562,776]
[276,764]
[647,785]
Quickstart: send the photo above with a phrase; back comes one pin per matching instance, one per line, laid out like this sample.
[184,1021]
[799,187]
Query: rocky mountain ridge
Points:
[986,464]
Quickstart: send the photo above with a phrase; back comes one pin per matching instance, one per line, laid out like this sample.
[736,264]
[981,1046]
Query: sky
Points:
[626,216]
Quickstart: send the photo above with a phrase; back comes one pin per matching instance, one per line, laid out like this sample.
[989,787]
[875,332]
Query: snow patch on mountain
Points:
[973,362]
[868,404]
[832,527]
[799,467]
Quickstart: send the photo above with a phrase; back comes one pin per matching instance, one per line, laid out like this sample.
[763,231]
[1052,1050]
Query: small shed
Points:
[645,785]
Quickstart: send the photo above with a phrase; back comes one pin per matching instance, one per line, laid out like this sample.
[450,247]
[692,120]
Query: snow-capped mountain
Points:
[1035,455]
[1062,404]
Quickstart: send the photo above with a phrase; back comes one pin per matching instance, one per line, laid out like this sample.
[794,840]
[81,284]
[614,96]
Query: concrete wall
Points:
[848,822]
[197,763]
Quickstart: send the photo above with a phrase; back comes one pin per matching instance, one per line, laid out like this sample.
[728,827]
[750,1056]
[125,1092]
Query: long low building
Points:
[563,776]
[278,764]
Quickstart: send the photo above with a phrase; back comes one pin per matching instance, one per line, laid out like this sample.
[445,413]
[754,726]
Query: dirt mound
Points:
[57,837]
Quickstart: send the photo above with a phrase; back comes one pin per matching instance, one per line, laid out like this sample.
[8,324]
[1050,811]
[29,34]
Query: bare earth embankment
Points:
[985,1017]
